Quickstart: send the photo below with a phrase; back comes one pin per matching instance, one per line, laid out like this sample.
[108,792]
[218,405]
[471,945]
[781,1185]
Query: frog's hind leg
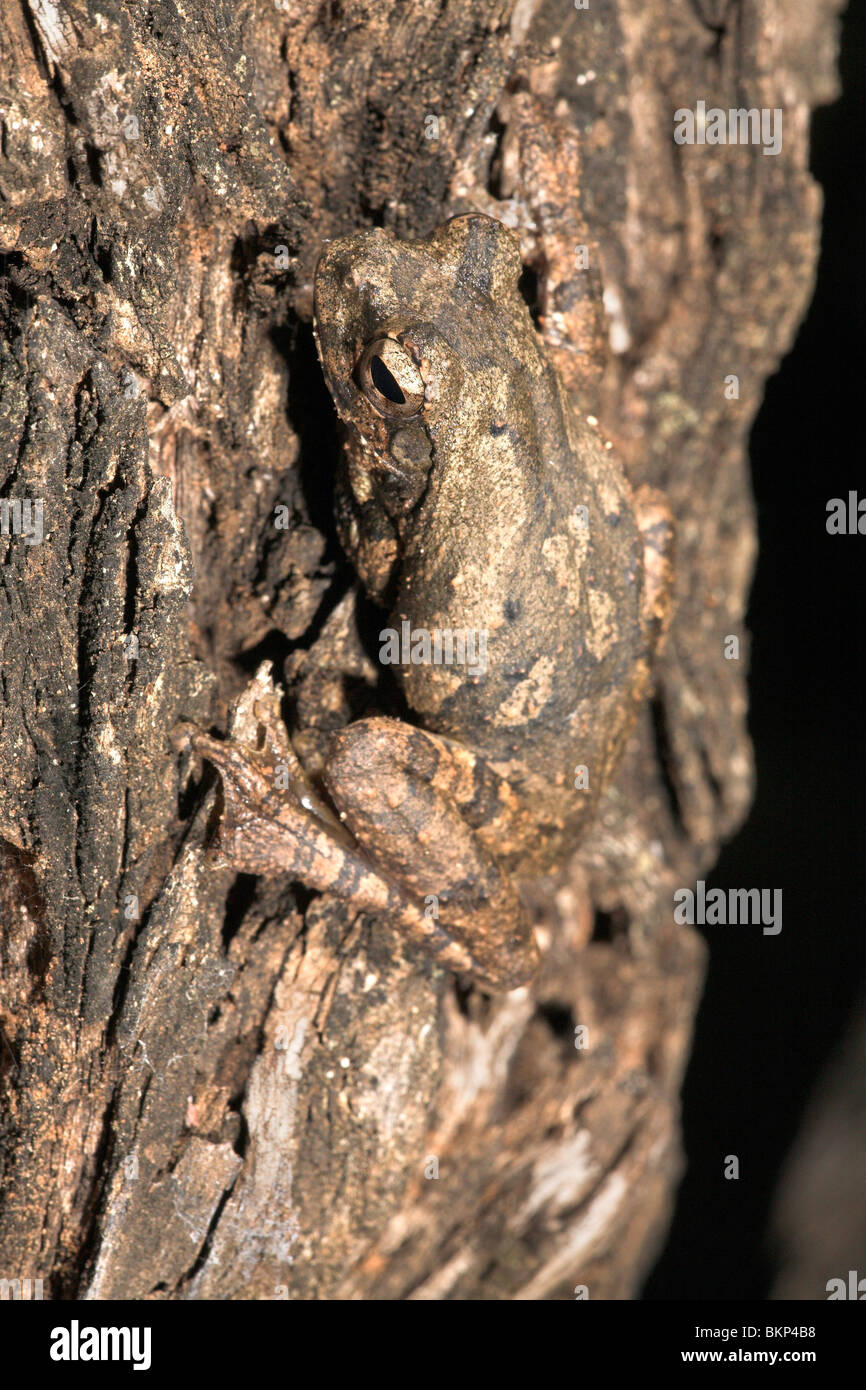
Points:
[266,829]
[428,813]
[395,789]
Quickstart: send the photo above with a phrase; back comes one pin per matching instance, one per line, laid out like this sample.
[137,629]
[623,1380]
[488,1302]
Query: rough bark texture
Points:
[214,1086]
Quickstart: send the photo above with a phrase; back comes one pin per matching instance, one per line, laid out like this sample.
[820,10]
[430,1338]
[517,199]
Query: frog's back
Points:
[545,571]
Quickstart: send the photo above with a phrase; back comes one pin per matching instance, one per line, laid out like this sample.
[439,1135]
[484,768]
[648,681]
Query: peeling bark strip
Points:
[214,1087]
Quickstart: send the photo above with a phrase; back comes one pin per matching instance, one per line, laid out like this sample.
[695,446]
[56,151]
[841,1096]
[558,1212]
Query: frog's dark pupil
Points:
[384,382]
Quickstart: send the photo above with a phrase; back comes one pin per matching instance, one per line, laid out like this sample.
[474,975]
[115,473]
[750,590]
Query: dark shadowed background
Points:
[775,1007]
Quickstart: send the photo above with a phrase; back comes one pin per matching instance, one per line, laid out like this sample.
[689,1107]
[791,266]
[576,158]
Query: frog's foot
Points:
[656,525]
[274,823]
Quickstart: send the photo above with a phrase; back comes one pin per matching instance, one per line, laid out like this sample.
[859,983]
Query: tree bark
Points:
[216,1086]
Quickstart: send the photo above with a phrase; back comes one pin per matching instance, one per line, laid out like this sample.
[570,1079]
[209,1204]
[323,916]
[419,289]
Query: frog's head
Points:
[420,340]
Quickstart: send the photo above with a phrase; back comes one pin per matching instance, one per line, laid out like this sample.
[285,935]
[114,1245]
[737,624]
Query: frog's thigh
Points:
[405,794]
[413,801]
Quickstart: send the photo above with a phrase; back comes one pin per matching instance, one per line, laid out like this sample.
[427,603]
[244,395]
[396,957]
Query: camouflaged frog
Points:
[528,588]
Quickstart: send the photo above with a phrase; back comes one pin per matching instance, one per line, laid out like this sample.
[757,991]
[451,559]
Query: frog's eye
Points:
[390,379]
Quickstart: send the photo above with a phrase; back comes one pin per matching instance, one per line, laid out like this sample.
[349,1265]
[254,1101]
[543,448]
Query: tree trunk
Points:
[218,1086]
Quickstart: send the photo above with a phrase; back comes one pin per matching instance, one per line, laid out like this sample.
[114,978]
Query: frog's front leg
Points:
[417,817]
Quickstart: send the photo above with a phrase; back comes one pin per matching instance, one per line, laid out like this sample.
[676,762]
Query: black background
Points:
[775,1007]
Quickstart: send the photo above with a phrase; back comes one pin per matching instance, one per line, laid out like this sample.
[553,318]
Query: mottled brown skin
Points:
[465,475]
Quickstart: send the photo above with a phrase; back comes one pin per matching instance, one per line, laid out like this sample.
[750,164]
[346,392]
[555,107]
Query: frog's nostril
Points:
[384,382]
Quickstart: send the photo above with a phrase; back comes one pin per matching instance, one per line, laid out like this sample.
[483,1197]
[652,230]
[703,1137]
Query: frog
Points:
[528,591]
